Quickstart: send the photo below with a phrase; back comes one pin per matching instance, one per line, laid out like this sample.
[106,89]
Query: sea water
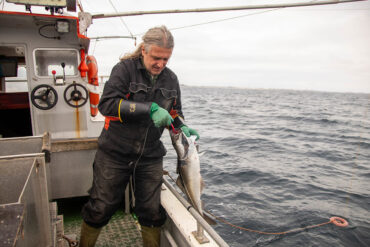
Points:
[276,160]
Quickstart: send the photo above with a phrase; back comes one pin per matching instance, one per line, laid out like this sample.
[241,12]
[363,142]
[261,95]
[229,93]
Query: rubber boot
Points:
[89,235]
[151,236]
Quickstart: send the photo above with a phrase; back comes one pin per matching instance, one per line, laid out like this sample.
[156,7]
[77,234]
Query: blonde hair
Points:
[159,36]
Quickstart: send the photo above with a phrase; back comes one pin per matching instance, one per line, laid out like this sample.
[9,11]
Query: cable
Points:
[225,19]
[218,20]
[137,161]
[121,19]
[141,154]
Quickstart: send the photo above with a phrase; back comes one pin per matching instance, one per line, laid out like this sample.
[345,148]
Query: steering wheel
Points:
[44,97]
[72,93]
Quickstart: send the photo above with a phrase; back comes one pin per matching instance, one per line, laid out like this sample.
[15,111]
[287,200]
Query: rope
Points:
[121,19]
[96,41]
[268,233]
[332,220]
[221,20]
[79,4]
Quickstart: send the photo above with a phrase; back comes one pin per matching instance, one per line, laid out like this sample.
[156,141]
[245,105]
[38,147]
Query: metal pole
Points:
[177,11]
[112,37]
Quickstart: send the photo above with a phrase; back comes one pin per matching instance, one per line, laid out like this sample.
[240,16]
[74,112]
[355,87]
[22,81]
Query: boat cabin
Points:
[49,84]
[45,84]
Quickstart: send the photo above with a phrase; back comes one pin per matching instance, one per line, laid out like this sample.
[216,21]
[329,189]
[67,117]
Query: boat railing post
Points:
[199,234]
[212,233]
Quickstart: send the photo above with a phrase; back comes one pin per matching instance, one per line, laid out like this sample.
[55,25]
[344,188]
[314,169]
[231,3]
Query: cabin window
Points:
[47,60]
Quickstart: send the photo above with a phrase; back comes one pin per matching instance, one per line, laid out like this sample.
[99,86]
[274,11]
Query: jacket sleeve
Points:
[114,102]
[115,89]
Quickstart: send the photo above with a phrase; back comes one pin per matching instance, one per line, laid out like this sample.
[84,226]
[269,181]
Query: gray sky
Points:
[324,48]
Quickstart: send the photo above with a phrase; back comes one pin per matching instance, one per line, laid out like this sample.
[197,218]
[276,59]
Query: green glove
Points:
[189,132]
[160,117]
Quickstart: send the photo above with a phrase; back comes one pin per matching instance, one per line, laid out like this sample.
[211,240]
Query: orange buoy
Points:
[83,67]
[338,221]
[92,75]
[92,72]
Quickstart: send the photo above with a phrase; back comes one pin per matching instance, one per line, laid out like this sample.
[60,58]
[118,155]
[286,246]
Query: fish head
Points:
[180,142]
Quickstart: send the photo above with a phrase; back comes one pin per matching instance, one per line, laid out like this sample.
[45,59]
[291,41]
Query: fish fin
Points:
[182,186]
[200,154]
[179,184]
[202,185]
[207,217]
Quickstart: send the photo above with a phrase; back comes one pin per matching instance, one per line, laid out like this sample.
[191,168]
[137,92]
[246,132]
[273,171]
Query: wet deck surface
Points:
[122,230]
[11,216]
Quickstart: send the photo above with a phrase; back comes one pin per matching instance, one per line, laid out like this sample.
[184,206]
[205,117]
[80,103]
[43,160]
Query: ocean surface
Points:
[276,160]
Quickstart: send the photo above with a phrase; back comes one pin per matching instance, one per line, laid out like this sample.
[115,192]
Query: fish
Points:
[189,180]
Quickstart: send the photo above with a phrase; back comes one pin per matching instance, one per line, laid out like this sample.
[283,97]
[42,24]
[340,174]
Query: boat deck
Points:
[122,229]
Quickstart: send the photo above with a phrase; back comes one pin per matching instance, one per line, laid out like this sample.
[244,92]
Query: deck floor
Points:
[122,230]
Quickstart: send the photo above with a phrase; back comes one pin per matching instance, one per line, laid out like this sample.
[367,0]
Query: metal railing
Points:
[196,215]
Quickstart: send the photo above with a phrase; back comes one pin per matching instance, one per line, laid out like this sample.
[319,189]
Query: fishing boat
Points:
[49,92]
[50,123]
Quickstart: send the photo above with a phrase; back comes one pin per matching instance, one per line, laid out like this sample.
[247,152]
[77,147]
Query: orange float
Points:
[92,75]
[82,67]
[338,221]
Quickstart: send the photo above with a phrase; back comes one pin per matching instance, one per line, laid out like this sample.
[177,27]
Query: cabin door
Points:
[14,100]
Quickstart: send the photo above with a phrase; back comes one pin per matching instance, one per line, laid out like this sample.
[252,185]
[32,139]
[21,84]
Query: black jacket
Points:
[130,81]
